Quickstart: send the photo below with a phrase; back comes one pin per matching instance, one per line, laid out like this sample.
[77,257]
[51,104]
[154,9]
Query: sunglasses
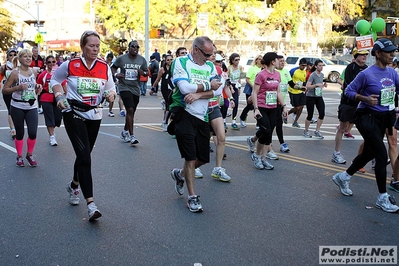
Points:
[238,59]
[168,59]
[182,53]
[203,53]
[51,62]
[218,61]
[89,33]
[12,55]
[135,46]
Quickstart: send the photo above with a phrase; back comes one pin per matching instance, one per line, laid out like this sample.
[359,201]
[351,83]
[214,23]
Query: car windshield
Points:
[327,61]
[291,60]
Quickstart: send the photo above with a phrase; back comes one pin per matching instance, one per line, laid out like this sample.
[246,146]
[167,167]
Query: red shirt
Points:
[47,94]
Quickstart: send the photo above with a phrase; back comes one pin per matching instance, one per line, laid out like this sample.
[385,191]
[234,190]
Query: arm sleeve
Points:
[185,87]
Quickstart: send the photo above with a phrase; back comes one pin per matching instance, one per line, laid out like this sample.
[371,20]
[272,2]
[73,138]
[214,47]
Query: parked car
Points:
[331,71]
[340,61]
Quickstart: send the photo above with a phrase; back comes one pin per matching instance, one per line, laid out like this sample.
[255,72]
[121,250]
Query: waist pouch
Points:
[79,106]
[30,101]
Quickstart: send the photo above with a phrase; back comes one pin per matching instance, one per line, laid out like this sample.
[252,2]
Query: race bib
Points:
[271,97]
[88,86]
[387,96]
[318,91]
[50,88]
[29,94]
[131,74]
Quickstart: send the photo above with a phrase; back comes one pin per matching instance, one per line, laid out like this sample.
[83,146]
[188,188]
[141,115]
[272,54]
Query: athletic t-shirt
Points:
[269,84]
[285,78]
[298,77]
[130,68]
[315,79]
[375,80]
[184,68]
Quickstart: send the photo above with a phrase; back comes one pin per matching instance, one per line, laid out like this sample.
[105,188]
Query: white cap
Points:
[218,57]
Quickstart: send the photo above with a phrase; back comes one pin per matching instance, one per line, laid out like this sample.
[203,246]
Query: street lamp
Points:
[38,25]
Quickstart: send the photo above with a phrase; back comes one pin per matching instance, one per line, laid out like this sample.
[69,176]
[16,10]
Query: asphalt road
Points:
[261,217]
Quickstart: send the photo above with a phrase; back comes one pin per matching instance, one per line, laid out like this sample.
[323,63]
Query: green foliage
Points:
[336,39]
[7,33]
[179,17]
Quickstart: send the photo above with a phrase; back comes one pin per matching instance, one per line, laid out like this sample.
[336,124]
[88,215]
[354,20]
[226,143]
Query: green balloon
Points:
[374,35]
[363,26]
[378,24]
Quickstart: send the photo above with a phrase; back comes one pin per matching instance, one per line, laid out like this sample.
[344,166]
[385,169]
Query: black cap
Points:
[383,44]
[303,61]
[12,50]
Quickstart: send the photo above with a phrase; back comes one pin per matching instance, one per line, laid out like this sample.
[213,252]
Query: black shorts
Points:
[129,99]
[298,99]
[52,114]
[346,113]
[192,135]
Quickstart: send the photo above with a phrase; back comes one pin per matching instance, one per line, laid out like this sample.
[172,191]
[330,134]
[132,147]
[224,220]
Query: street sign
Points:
[39,38]
[38,25]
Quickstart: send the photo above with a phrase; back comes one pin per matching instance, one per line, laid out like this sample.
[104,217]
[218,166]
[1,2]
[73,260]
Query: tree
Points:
[179,17]
[7,33]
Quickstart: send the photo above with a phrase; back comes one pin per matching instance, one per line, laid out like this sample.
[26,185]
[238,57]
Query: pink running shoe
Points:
[31,161]
[20,162]
[348,135]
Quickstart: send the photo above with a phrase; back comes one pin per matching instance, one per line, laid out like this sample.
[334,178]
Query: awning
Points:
[62,45]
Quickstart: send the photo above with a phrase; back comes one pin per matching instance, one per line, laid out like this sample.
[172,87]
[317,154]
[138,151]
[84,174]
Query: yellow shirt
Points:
[299,76]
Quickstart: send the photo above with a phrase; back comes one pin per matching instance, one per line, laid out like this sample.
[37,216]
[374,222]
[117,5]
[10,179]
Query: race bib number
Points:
[88,86]
[271,97]
[318,91]
[284,88]
[29,93]
[387,96]
[50,88]
[131,74]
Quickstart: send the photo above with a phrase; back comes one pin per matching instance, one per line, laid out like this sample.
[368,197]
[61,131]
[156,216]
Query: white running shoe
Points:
[198,173]
[133,140]
[251,144]
[53,141]
[220,173]
[271,155]
[243,124]
[93,211]
[384,203]
[342,184]
[125,136]
[337,158]
[73,195]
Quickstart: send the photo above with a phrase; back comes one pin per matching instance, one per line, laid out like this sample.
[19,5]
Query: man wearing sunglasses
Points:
[194,79]
[132,66]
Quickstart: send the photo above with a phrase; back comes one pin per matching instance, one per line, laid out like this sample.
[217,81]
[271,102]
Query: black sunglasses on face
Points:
[203,53]
[51,62]
[135,46]
[12,55]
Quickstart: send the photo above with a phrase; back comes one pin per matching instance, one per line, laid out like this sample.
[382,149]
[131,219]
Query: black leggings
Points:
[83,134]
[372,128]
[320,106]
[235,97]
[247,108]
[30,117]
[266,123]
[279,123]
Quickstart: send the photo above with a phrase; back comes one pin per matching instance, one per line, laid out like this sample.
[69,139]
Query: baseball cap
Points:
[303,61]
[218,57]
[12,50]
[356,52]
[269,57]
[383,44]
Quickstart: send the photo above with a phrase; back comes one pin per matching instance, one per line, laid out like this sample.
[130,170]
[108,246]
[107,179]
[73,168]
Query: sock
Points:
[234,121]
[337,152]
[394,182]
[19,146]
[192,196]
[31,145]
[382,195]
[90,202]
[346,176]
